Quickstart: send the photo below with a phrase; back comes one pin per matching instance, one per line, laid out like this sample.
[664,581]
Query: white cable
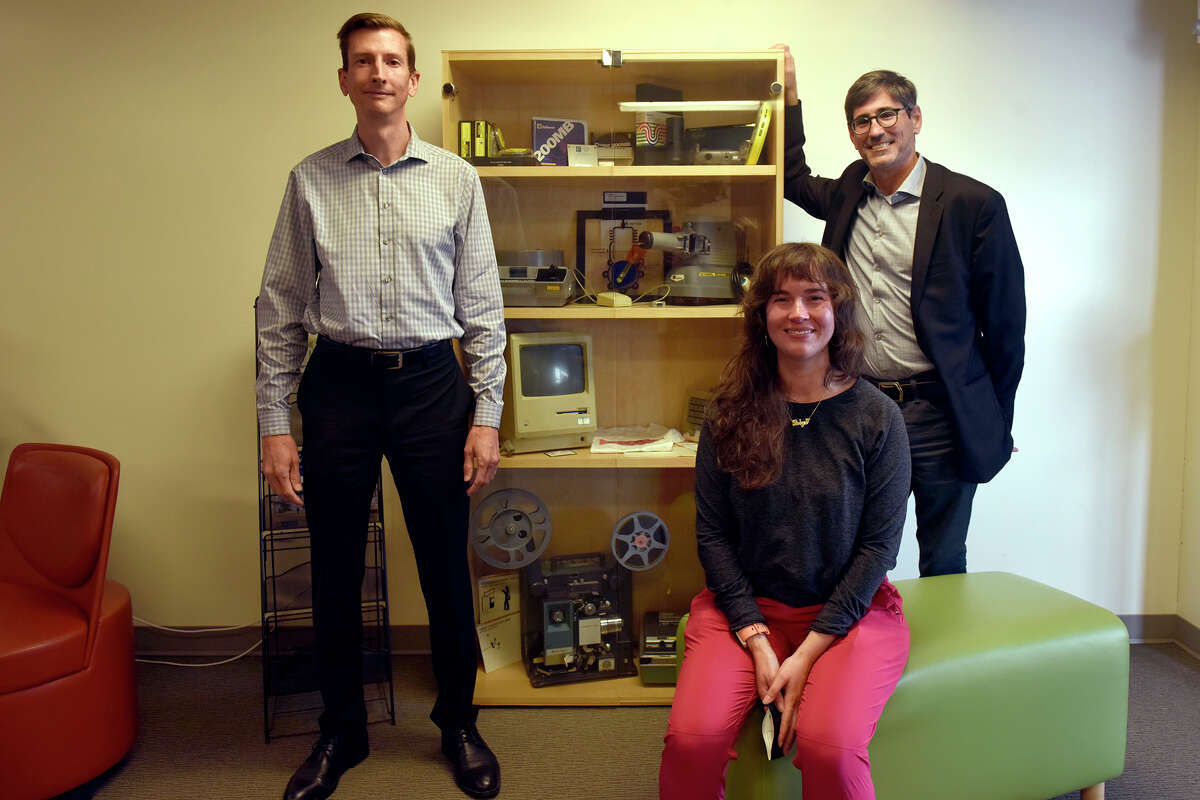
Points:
[150,624]
[666,290]
[242,654]
[586,294]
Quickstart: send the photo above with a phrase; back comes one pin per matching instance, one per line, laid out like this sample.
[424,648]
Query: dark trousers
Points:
[943,502]
[355,410]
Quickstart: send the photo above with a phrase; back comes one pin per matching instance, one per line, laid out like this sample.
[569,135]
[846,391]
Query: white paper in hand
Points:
[771,719]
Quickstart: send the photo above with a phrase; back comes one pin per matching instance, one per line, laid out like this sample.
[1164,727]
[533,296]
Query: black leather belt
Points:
[925,386]
[385,359]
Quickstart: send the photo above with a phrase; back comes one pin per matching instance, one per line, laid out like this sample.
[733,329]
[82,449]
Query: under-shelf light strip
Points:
[690,105]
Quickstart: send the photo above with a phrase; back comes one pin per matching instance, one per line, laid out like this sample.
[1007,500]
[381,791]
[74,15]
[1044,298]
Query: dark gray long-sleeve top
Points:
[827,531]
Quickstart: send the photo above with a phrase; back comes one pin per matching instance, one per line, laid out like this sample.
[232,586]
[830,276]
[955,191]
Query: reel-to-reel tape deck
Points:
[576,609]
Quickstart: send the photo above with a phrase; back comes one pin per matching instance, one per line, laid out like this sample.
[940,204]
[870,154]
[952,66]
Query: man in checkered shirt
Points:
[382,249]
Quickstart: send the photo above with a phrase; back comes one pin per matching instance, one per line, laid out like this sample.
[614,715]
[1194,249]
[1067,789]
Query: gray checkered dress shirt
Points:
[879,254]
[406,259]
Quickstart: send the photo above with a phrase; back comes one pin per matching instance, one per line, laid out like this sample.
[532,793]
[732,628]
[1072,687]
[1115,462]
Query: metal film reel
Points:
[640,540]
[510,528]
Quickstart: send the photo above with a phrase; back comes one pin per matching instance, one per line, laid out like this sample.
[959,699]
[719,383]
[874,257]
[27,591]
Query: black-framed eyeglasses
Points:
[885,116]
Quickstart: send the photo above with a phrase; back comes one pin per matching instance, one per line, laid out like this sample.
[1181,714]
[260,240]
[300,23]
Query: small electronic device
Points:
[695,408]
[719,144]
[550,393]
[575,624]
[658,660]
[616,154]
[533,277]
[719,157]
[613,299]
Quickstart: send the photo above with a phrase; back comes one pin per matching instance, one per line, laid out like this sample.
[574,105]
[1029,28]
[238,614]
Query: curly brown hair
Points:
[748,415]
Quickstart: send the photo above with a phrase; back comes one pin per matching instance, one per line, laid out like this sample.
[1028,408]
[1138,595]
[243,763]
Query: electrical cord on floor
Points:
[150,624]
[169,629]
[229,660]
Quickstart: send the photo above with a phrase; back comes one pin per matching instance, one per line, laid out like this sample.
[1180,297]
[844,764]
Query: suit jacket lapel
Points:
[838,233]
[929,217]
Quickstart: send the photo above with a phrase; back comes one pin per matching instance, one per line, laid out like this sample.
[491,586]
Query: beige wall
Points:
[144,154]
[1189,550]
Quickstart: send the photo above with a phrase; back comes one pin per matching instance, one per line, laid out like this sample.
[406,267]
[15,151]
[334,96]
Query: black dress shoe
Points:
[319,774]
[476,770]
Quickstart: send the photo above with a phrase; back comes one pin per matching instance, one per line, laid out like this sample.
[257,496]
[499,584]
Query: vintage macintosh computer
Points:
[549,396]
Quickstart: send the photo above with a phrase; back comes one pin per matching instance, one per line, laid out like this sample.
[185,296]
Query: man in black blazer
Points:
[941,292]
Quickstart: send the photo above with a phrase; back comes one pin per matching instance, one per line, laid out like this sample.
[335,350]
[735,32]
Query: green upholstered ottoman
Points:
[1013,691]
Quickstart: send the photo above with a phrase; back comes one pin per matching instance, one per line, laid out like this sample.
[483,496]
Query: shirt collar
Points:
[913,185]
[417,147]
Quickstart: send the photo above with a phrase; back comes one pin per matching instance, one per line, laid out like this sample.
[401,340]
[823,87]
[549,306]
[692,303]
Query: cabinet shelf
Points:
[758,172]
[637,311]
[677,458]
[510,686]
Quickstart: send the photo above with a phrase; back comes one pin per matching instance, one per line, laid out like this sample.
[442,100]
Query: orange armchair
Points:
[68,701]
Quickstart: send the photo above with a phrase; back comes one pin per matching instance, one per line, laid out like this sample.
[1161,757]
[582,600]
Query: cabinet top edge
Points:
[627,55]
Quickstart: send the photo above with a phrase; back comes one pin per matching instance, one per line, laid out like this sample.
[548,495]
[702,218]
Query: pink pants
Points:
[842,700]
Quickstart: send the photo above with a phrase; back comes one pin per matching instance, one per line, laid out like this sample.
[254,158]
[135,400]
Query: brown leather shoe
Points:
[476,770]
[318,776]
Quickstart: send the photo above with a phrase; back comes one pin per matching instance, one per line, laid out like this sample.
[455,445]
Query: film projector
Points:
[576,608]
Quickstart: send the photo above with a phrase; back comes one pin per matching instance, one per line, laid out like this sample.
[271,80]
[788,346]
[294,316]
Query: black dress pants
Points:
[356,409]
[942,501]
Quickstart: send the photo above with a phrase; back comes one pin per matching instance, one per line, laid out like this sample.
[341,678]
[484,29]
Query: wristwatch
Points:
[744,635]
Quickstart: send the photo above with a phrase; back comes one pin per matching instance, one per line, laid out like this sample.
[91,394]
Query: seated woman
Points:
[802,481]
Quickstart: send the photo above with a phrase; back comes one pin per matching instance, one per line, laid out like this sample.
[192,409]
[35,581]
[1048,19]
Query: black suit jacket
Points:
[968,291]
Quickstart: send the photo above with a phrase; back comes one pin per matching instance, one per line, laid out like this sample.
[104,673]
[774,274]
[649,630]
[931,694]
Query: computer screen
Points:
[549,396]
[552,370]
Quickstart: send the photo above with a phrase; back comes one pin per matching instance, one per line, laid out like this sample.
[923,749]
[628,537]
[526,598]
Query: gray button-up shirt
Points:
[879,254]
[405,258]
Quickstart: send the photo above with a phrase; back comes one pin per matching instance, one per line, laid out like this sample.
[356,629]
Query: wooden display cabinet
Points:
[647,358]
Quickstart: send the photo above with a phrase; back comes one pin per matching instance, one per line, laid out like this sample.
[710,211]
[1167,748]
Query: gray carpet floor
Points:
[201,735]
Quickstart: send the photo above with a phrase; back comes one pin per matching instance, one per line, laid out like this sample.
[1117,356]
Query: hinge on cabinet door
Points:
[610,58]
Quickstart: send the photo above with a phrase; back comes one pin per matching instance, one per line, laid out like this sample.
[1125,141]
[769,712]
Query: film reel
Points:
[640,540]
[510,528]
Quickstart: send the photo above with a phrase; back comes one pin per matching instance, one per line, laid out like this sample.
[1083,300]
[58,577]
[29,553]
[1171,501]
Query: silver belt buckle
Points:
[396,354]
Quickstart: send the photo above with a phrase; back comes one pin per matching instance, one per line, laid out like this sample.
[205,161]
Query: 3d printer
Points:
[576,615]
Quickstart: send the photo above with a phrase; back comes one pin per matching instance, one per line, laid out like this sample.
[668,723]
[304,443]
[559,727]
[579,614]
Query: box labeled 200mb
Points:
[551,137]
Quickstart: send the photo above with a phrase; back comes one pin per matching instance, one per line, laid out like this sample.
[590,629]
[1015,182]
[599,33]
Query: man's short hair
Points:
[895,84]
[373,21]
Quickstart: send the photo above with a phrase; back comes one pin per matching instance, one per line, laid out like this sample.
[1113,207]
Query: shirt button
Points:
[385,242]
[878,301]
[387,278]
[879,337]
[387,205]
[387,317]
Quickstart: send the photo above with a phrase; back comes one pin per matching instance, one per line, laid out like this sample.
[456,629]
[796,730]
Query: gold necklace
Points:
[800,423]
